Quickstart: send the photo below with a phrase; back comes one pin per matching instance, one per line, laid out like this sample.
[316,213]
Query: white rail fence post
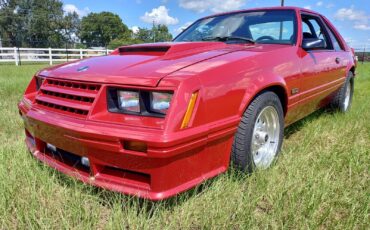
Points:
[50,57]
[81,56]
[16,56]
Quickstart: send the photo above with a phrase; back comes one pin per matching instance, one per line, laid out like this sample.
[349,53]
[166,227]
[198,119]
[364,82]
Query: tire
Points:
[342,100]
[259,136]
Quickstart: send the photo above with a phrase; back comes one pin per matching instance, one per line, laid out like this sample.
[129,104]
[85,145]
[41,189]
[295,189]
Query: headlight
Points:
[129,101]
[139,102]
[160,102]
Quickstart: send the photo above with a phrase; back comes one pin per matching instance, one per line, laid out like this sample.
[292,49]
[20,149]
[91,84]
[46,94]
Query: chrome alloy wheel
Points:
[265,139]
[347,98]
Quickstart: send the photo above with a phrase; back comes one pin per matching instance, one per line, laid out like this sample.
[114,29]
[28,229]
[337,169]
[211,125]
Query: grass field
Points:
[321,180]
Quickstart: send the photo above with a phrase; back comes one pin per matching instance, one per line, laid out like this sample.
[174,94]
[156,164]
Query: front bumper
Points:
[172,164]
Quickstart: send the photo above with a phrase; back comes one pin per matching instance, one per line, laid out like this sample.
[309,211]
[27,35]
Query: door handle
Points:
[337,60]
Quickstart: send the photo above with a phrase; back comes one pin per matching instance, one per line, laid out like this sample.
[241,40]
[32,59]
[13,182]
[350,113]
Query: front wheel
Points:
[258,139]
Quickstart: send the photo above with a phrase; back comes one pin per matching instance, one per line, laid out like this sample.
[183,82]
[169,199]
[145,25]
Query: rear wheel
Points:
[342,101]
[259,136]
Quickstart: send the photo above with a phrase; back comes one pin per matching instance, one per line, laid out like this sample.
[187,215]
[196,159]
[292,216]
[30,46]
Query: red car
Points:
[154,120]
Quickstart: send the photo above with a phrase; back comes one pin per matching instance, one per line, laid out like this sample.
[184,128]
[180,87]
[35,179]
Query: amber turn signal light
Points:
[189,110]
[135,146]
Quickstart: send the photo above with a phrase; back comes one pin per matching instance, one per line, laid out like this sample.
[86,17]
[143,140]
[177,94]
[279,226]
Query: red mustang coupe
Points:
[154,120]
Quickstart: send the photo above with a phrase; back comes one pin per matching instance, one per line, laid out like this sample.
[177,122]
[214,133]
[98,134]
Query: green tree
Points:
[45,20]
[161,33]
[127,38]
[71,26]
[36,23]
[98,29]
[158,33]
[144,35]
[42,23]
[123,42]
[12,21]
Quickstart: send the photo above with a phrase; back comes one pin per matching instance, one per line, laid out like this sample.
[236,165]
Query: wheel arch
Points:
[278,88]
[281,92]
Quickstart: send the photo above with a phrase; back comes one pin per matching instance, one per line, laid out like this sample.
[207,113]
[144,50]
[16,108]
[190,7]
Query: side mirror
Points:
[313,43]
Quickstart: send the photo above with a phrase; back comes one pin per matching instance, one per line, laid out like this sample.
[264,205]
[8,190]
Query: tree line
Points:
[43,23]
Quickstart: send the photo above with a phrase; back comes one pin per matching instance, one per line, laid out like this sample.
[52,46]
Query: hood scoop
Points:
[168,49]
[149,50]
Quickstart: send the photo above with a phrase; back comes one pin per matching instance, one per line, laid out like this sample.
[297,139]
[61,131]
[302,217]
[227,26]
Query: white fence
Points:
[19,55]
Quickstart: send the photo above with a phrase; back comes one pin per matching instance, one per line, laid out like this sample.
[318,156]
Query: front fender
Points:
[229,83]
[276,84]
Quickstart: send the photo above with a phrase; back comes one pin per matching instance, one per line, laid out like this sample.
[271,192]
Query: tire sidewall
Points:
[263,100]
[349,80]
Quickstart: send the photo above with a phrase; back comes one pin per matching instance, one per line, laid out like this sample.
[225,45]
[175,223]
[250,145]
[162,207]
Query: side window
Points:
[335,41]
[318,30]
[312,28]
[305,28]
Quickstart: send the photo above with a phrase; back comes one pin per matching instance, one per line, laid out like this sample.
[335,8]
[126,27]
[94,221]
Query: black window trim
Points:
[323,25]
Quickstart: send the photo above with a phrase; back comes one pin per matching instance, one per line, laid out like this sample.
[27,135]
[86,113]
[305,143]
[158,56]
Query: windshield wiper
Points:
[228,38]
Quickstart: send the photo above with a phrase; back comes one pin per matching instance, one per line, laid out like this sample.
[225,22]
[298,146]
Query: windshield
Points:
[271,26]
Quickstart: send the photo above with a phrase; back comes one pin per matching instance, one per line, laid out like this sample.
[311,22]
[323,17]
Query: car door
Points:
[342,57]
[320,68]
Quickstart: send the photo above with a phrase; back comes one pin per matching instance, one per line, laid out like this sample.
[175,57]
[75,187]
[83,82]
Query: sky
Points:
[350,17]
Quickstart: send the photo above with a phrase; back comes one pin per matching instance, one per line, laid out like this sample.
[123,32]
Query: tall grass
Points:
[321,180]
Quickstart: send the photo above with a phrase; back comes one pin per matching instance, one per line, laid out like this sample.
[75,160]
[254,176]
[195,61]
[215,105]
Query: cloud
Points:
[308,7]
[360,18]
[350,14]
[362,27]
[70,8]
[183,27]
[322,4]
[215,6]
[159,16]
[134,29]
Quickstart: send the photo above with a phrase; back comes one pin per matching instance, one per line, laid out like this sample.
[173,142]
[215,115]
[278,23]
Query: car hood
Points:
[143,65]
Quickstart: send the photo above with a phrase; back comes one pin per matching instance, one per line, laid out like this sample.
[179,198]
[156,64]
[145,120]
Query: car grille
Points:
[68,97]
